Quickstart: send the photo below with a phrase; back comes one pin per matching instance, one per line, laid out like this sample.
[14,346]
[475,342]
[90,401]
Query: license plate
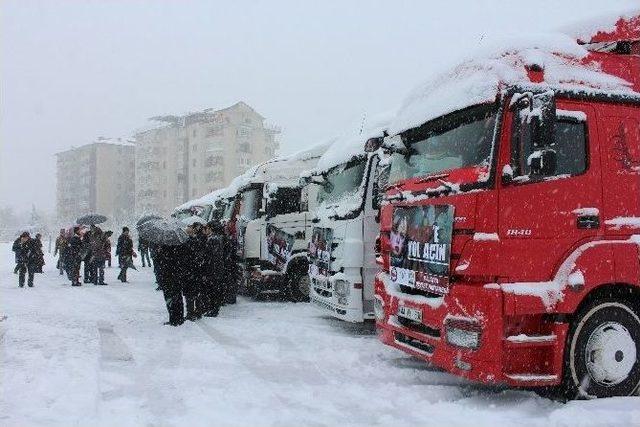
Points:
[410,313]
[403,276]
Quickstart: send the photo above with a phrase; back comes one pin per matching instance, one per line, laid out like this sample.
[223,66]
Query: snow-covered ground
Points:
[100,356]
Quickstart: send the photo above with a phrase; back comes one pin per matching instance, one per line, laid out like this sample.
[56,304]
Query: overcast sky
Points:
[75,70]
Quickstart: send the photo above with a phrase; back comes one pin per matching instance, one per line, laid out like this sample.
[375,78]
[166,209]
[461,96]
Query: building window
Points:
[195,162]
[244,147]
[194,147]
[194,133]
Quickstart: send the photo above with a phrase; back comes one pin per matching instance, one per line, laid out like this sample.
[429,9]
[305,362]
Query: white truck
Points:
[273,227]
[342,252]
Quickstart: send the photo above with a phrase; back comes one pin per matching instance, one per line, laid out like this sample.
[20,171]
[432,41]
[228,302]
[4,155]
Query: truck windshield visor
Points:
[457,141]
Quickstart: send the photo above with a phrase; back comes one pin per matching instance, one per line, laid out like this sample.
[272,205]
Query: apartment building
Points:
[191,155]
[96,178]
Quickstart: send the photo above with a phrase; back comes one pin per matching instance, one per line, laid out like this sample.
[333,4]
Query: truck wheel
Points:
[603,357]
[299,286]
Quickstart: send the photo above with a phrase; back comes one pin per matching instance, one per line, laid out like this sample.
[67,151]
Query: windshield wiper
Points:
[432,178]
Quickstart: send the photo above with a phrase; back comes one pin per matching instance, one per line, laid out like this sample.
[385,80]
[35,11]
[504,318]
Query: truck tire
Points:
[603,352]
[298,285]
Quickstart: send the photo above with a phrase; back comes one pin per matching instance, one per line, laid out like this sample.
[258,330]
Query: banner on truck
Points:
[279,246]
[421,247]
[320,250]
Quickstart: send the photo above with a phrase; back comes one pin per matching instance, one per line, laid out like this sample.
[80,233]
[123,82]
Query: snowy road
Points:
[100,356]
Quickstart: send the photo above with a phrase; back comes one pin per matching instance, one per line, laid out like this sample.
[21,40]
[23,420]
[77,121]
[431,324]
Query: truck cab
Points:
[271,201]
[342,244]
[510,229]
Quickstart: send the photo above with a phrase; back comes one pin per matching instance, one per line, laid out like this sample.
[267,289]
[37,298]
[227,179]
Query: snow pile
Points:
[586,30]
[479,79]
[351,142]
[624,221]
[125,141]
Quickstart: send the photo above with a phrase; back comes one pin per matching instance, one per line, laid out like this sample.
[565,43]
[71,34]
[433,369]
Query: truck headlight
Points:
[378,309]
[463,333]
[341,288]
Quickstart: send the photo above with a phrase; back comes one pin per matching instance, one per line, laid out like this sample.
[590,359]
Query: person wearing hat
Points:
[26,251]
[61,246]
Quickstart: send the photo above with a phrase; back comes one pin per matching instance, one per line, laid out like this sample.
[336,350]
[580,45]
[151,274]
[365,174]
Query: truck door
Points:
[371,229]
[545,211]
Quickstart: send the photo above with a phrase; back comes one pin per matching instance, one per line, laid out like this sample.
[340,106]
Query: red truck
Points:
[510,231]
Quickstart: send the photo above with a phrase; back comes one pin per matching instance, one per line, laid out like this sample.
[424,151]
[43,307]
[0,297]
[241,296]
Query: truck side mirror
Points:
[542,118]
[543,162]
[507,175]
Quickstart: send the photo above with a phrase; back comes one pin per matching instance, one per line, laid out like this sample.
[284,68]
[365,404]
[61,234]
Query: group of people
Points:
[198,275]
[29,257]
[93,248]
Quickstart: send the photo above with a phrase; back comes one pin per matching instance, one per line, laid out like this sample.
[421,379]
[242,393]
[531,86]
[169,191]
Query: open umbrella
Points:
[190,220]
[167,232]
[146,218]
[91,219]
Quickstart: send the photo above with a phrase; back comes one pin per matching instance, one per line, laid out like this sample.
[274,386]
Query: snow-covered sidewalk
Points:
[100,356]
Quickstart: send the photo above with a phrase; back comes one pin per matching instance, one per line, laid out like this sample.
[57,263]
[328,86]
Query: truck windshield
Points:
[228,210]
[250,203]
[455,142]
[341,181]
[283,201]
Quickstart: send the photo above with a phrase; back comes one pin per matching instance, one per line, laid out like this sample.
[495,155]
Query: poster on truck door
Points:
[420,250]
[279,246]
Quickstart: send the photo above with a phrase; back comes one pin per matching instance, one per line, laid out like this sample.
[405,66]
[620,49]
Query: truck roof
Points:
[565,63]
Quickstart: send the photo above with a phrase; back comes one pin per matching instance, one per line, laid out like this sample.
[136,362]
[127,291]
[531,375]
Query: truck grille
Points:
[413,343]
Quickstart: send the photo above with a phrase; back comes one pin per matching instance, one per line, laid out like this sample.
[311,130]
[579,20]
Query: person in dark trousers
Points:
[61,246]
[26,250]
[152,252]
[73,257]
[166,260]
[230,283]
[191,267]
[87,255]
[99,248]
[125,254]
[143,249]
[107,235]
[39,253]
[14,247]
[213,271]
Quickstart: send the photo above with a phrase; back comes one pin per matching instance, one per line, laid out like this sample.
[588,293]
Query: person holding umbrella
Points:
[168,238]
[99,248]
[125,254]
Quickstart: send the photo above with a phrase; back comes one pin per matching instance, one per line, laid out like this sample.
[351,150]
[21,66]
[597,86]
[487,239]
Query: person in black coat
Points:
[213,269]
[26,250]
[125,254]
[143,249]
[73,257]
[231,270]
[192,263]
[39,253]
[165,261]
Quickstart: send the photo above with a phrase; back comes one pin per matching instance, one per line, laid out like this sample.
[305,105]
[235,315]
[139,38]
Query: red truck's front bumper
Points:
[523,350]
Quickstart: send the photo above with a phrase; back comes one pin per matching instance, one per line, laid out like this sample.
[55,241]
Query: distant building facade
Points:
[194,154]
[96,178]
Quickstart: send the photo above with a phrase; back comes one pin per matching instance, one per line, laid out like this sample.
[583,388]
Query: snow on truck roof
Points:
[279,168]
[480,78]
[350,142]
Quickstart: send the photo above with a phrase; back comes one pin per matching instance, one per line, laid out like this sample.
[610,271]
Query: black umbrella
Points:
[167,232]
[91,219]
[146,218]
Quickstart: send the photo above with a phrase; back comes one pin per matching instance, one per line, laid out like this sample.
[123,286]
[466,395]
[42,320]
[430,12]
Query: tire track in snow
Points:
[248,359]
